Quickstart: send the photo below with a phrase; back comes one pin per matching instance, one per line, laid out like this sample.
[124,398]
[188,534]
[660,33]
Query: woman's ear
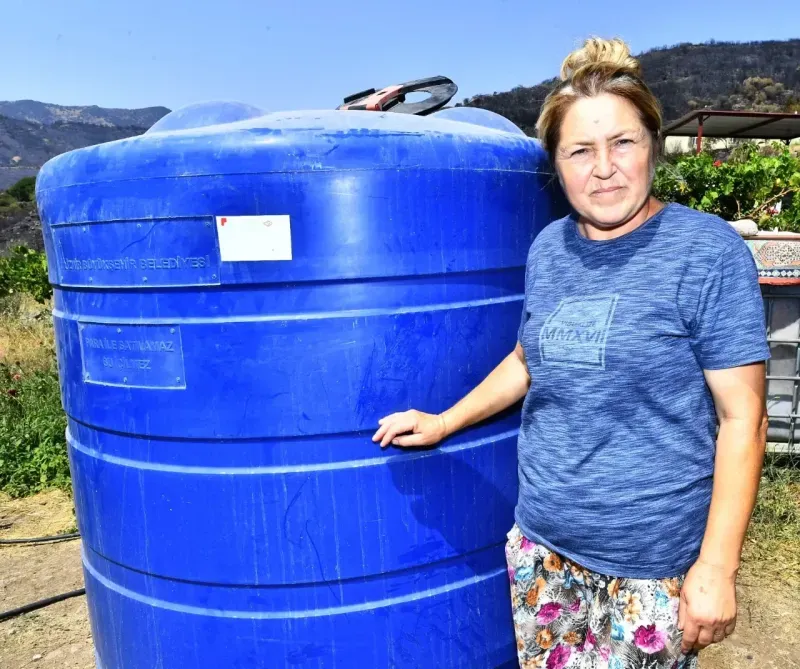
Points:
[658,146]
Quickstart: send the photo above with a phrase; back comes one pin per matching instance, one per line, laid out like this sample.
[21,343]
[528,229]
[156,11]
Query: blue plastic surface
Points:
[478,116]
[233,508]
[203,114]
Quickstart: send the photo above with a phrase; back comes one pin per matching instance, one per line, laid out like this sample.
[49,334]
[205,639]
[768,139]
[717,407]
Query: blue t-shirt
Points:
[617,442]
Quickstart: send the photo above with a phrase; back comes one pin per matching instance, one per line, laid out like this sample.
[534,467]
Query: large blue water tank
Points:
[236,305]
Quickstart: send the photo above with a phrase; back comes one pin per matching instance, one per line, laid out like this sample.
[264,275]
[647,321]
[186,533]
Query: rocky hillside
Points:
[20,227]
[762,76]
[33,132]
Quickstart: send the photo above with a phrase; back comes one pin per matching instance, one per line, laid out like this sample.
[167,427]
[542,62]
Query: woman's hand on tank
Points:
[411,428]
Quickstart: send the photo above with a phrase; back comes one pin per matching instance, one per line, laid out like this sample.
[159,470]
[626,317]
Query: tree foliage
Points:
[24,190]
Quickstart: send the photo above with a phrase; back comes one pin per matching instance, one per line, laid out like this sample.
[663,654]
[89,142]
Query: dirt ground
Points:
[59,635]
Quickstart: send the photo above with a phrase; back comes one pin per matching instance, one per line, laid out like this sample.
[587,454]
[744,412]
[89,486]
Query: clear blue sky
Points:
[310,53]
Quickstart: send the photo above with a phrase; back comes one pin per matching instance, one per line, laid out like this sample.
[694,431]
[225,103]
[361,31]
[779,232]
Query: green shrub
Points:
[748,185]
[24,190]
[33,452]
[7,202]
[25,271]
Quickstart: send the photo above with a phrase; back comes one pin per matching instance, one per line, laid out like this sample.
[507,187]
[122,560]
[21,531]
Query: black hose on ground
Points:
[33,606]
[13,613]
[41,540]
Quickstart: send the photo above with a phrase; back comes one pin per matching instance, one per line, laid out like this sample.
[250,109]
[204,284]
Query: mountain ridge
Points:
[47,113]
[763,76]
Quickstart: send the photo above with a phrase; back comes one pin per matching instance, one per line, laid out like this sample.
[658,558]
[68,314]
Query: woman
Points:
[643,328]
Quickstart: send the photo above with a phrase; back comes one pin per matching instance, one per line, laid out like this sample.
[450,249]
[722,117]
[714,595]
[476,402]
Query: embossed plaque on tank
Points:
[161,252]
[136,356]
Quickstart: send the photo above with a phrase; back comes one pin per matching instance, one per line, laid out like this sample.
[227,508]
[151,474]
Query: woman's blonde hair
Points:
[599,66]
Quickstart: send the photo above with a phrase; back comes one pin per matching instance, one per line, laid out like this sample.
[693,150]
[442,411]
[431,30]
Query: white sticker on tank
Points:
[254,238]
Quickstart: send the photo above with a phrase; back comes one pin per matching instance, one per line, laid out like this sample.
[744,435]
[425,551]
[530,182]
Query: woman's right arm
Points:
[506,384]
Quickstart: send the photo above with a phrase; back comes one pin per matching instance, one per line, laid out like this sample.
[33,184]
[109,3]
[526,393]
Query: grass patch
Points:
[26,334]
[33,451]
[773,541]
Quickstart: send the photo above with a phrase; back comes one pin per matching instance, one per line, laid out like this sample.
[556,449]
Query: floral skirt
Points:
[567,617]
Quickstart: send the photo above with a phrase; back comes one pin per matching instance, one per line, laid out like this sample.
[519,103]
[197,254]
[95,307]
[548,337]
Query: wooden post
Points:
[699,133]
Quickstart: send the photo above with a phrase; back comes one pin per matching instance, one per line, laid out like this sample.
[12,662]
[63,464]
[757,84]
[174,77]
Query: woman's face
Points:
[604,160]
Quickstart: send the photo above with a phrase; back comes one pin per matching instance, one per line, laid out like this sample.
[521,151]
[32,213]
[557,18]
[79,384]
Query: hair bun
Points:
[607,54]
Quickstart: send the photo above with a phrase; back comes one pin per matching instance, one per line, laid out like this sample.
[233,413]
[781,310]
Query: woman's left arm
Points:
[708,599]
